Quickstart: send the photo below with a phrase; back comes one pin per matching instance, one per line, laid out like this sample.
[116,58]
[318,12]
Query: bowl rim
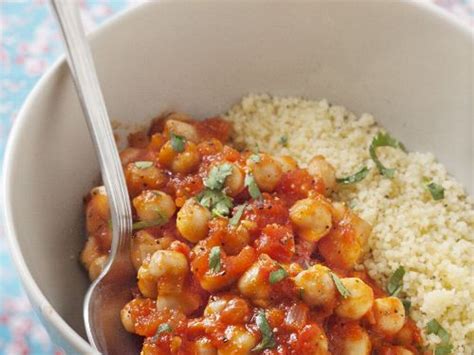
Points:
[38,300]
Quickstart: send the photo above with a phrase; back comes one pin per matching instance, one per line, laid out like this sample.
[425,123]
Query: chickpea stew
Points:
[241,252]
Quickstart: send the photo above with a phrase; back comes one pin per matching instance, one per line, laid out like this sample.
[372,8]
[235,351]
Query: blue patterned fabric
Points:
[29,44]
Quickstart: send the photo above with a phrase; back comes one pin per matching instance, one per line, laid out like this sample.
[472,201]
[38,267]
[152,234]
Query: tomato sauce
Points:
[248,285]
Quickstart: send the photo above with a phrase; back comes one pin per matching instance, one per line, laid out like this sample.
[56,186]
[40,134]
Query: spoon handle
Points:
[101,327]
[90,95]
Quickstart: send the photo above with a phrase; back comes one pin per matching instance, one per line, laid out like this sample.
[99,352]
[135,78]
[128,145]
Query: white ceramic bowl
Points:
[407,63]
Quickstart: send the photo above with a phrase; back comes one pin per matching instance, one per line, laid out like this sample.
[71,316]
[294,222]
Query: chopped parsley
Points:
[384,140]
[215,201]
[283,141]
[239,210]
[147,224]
[143,164]
[177,142]
[340,286]
[358,176]
[252,186]
[255,158]
[163,328]
[395,282]
[216,178]
[433,327]
[268,340]
[407,305]
[277,276]
[215,260]
[436,191]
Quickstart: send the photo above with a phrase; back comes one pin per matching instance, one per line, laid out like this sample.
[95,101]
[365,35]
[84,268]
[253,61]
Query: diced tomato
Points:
[277,241]
[268,210]
[340,248]
[296,185]
[214,127]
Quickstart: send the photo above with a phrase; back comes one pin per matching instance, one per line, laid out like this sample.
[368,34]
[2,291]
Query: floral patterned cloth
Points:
[29,44]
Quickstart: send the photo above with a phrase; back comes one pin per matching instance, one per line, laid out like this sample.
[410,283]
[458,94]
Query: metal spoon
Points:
[111,290]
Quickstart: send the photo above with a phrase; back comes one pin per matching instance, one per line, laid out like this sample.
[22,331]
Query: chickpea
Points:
[352,339]
[361,228]
[152,205]
[168,263]
[312,217]
[267,172]
[359,302]
[317,285]
[139,179]
[181,128]
[228,308]
[90,252]
[147,283]
[192,221]
[203,346]
[184,162]
[341,247]
[126,318]
[185,302]
[97,266]
[287,163]
[144,244]
[254,282]
[389,315]
[234,183]
[97,210]
[240,341]
[215,306]
[235,239]
[320,168]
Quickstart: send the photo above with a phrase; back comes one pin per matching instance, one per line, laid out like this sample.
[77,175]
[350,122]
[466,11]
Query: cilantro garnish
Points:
[358,176]
[384,140]
[177,142]
[215,260]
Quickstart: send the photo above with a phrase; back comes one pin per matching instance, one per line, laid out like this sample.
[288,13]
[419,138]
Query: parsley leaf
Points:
[433,327]
[340,286]
[216,178]
[384,140]
[239,210]
[444,348]
[143,164]
[215,260]
[177,142]
[395,282]
[147,224]
[436,191]
[283,141]
[163,328]
[216,201]
[255,158]
[268,341]
[407,305]
[277,276]
[358,176]
[252,186]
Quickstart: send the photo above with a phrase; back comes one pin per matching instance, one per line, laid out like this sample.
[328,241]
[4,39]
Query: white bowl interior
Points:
[409,66]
